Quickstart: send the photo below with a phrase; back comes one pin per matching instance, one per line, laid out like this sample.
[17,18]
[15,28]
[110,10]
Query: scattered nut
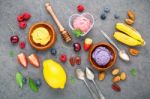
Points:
[123,76]
[129,21]
[134,52]
[101,76]
[116,79]
[131,15]
[115,71]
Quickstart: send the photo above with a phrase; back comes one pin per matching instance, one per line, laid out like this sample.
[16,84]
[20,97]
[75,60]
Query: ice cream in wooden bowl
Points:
[41,36]
[102,56]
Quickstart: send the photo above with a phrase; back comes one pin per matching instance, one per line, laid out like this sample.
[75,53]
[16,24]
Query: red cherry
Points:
[14,39]
[63,58]
[80,8]
[22,44]
[77,47]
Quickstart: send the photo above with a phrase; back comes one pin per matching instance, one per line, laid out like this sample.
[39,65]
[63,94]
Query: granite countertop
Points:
[133,88]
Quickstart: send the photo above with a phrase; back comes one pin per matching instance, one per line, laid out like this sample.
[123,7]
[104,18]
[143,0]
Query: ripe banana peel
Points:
[130,36]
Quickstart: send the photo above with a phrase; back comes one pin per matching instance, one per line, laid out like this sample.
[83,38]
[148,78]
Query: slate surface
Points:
[133,88]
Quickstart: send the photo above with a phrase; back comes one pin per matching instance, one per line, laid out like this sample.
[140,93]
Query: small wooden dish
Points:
[51,32]
[112,61]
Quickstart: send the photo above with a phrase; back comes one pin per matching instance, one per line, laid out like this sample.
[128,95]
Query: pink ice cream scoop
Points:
[82,23]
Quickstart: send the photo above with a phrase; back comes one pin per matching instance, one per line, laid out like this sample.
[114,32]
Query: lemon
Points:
[54,74]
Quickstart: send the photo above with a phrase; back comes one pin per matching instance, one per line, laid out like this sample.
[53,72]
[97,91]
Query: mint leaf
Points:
[133,72]
[19,79]
[77,32]
[32,85]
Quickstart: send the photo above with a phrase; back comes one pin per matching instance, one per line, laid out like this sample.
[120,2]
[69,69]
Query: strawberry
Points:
[26,16]
[22,59]
[87,44]
[34,60]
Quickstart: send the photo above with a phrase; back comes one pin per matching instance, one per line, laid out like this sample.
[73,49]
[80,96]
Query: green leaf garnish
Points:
[32,85]
[133,72]
[77,32]
[72,80]
[19,79]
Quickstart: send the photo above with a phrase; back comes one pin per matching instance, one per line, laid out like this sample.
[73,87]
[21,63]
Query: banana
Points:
[130,31]
[126,39]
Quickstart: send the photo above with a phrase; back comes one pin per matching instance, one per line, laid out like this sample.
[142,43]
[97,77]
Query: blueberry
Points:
[106,9]
[53,51]
[116,16]
[24,80]
[103,16]
[38,82]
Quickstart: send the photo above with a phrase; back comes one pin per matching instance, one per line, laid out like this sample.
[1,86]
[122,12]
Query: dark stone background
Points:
[137,87]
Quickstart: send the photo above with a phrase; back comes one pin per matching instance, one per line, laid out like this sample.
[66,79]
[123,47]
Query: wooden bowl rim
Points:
[93,48]
[53,37]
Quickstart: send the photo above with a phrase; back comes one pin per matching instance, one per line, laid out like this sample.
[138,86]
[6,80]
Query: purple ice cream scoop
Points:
[101,56]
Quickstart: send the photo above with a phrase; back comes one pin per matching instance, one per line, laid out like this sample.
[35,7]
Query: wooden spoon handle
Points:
[50,10]
[65,35]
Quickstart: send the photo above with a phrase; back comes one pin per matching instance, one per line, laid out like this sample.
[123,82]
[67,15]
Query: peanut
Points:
[123,76]
[116,79]
[115,71]
[131,15]
[129,21]
[134,52]
[101,76]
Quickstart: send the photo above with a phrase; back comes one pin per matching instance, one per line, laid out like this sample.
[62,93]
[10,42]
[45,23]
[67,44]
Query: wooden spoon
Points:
[65,35]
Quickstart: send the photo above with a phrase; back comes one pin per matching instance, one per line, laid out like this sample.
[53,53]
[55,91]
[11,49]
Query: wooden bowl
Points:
[111,62]
[51,32]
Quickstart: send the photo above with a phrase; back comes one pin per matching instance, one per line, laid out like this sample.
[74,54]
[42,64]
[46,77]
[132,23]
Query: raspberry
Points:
[26,16]
[22,25]
[80,8]
[20,18]
[63,58]
[22,44]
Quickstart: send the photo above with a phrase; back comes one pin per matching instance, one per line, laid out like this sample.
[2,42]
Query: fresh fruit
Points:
[80,8]
[126,39]
[116,87]
[116,79]
[116,16]
[101,76]
[53,51]
[38,82]
[115,71]
[130,31]
[78,60]
[24,80]
[72,61]
[131,14]
[103,16]
[34,60]
[123,76]
[20,18]
[106,9]
[33,85]
[63,58]
[14,39]
[22,24]
[129,21]
[133,51]
[22,44]
[87,44]
[19,79]
[77,47]
[26,16]
[54,74]
[22,59]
